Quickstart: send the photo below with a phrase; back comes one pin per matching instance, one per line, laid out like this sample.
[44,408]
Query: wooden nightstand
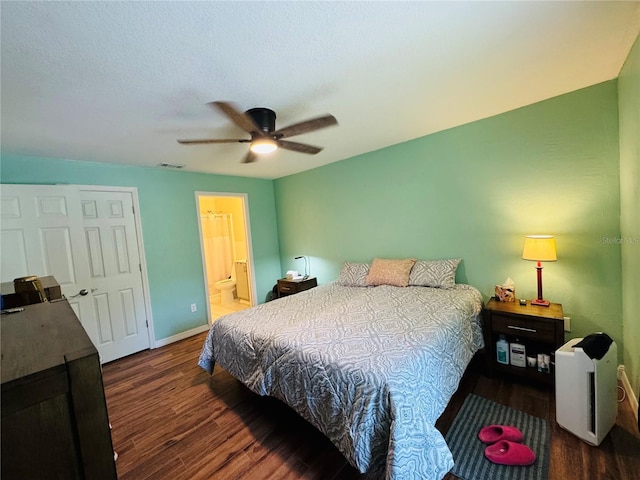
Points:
[539,329]
[289,287]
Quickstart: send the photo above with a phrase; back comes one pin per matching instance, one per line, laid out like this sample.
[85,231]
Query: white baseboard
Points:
[181,336]
[631,394]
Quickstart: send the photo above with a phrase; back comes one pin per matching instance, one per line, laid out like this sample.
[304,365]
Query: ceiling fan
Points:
[260,123]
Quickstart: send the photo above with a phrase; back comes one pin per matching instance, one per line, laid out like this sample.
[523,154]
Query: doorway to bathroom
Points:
[225,241]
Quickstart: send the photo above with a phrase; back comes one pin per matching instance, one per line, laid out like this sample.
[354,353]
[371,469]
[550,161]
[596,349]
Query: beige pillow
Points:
[390,272]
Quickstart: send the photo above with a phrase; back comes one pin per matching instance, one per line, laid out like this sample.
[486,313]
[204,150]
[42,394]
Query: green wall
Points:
[629,107]
[169,227]
[474,192]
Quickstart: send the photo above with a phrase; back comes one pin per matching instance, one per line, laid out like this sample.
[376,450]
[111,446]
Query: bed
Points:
[372,368]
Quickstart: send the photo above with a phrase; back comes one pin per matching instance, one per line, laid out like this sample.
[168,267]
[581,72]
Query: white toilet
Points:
[226,288]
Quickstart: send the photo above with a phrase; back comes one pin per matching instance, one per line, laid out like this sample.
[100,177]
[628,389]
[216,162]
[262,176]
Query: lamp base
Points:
[540,302]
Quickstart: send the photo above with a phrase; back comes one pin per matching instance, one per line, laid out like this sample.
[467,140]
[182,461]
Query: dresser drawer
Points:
[286,287]
[542,330]
[289,287]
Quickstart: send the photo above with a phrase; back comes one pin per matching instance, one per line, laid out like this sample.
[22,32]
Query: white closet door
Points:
[115,269]
[42,235]
[88,241]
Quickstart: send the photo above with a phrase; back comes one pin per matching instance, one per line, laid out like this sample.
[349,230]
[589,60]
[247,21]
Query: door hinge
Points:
[147,323]
[140,267]
[133,209]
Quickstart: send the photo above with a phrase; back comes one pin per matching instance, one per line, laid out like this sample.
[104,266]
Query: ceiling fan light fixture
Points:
[263,146]
[260,123]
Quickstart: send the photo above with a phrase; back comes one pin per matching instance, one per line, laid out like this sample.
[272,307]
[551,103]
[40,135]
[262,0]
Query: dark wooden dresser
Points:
[54,415]
[539,329]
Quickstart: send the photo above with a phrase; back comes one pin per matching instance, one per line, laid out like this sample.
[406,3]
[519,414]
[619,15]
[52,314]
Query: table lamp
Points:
[306,266]
[539,248]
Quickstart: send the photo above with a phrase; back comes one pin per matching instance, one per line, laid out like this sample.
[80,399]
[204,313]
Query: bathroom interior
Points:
[226,253]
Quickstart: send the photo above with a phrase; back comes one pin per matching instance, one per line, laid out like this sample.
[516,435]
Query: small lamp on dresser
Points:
[306,266]
[539,248]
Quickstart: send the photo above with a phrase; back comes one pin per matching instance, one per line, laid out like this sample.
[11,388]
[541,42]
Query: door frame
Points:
[143,261]
[247,228]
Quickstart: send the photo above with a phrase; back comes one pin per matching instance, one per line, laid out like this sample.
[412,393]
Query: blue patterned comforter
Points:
[372,368]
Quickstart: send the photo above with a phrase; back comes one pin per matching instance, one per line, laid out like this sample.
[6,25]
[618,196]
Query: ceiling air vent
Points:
[170,165]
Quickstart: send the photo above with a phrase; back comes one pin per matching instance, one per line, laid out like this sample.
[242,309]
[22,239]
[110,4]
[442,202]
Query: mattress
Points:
[371,367]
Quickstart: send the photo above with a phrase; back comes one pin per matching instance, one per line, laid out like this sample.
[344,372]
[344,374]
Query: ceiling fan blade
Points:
[299,147]
[242,120]
[306,126]
[250,157]
[212,140]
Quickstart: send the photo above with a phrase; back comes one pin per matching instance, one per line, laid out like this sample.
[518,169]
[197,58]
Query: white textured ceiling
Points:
[119,82]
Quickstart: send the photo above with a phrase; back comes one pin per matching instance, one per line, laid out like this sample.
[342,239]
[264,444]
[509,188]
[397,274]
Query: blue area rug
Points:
[468,451]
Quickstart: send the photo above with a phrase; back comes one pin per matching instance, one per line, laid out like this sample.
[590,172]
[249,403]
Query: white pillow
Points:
[434,273]
[353,274]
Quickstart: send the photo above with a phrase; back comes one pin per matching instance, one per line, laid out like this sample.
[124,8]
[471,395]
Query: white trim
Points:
[247,228]
[181,336]
[143,262]
[631,394]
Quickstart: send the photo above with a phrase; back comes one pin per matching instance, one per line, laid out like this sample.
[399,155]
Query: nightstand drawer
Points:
[289,287]
[539,329]
[286,288]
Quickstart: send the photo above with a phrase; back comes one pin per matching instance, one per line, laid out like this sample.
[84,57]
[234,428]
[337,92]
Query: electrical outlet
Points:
[567,324]
[194,308]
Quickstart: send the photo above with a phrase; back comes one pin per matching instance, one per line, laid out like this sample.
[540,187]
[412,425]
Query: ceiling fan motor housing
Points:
[264,118]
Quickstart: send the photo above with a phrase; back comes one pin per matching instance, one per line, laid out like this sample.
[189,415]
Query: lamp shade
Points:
[539,248]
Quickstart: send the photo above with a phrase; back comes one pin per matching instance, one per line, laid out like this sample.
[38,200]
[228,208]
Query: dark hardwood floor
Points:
[173,420]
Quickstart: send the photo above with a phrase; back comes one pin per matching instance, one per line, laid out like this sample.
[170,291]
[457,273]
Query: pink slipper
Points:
[495,433]
[510,453]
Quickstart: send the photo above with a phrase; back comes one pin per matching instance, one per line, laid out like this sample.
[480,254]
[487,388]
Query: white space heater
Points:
[586,389]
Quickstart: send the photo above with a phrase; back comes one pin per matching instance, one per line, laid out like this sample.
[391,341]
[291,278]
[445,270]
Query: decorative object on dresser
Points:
[530,332]
[539,248]
[54,414]
[507,291]
[289,287]
[29,290]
